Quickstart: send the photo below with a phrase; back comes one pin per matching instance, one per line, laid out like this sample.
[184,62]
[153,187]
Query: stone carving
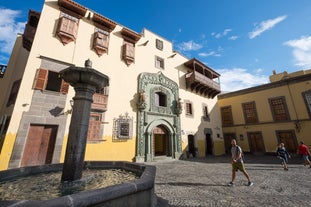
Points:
[142,100]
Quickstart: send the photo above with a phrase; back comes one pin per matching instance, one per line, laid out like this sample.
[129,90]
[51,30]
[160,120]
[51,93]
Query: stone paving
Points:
[203,183]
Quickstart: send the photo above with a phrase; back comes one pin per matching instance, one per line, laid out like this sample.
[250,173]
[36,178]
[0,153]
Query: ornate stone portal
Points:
[158,105]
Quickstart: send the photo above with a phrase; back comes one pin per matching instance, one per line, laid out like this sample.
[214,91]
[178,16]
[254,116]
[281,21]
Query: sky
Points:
[242,40]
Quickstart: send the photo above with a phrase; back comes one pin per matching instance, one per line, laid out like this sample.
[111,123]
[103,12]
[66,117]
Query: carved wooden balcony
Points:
[200,79]
[100,102]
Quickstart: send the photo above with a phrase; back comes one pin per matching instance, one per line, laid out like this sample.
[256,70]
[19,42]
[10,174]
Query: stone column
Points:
[75,151]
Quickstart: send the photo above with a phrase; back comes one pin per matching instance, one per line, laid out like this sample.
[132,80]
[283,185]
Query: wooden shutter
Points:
[64,87]
[41,79]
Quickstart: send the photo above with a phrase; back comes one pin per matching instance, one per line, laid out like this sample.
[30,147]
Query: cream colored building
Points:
[263,116]
[158,103]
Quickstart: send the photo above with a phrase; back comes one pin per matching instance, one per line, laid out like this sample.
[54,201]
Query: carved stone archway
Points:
[151,114]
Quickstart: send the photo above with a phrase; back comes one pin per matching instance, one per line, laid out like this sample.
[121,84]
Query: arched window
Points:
[160,99]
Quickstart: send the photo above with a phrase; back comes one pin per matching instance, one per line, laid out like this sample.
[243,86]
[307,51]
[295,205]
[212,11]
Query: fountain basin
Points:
[139,192]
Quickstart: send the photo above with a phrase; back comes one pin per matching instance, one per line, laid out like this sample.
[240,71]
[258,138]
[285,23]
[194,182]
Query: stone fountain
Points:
[140,192]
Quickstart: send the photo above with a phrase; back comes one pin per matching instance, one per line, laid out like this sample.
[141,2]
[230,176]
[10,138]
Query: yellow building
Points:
[263,116]
[158,103]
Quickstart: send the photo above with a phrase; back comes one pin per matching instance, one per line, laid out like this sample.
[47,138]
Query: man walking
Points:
[237,163]
[304,151]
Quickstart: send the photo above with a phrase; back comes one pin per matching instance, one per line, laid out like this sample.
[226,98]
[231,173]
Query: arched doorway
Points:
[161,142]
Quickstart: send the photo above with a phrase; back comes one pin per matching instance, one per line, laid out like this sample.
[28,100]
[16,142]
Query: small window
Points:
[159,44]
[128,52]
[159,62]
[123,127]
[50,81]
[188,108]
[205,112]
[279,109]
[226,116]
[160,99]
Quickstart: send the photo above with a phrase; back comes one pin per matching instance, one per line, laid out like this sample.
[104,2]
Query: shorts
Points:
[283,160]
[238,166]
[305,157]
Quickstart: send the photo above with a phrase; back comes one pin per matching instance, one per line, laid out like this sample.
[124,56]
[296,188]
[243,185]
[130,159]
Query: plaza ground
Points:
[202,182]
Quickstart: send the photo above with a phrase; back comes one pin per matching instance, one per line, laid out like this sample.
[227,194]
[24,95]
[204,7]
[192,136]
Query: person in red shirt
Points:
[304,151]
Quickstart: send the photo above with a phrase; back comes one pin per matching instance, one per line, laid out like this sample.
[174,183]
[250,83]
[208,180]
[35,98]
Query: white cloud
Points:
[265,25]
[233,38]
[212,53]
[301,51]
[219,35]
[239,78]
[9,28]
[189,46]
[226,31]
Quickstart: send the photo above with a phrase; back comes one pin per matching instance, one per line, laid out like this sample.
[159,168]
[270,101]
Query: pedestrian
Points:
[283,155]
[304,151]
[237,163]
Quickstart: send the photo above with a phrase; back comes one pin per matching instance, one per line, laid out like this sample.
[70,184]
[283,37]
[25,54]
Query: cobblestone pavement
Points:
[203,182]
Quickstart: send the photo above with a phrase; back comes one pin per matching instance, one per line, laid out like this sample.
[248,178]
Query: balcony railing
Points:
[100,102]
[201,84]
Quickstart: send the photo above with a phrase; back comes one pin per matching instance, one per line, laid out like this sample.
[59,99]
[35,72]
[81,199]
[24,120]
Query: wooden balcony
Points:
[100,102]
[201,84]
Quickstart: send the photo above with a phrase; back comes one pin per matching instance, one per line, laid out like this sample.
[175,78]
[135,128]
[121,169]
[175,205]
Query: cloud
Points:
[301,51]
[189,46]
[233,38]
[9,28]
[212,53]
[219,35]
[238,78]
[265,25]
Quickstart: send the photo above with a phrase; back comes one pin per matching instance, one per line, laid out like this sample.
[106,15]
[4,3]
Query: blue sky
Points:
[243,40]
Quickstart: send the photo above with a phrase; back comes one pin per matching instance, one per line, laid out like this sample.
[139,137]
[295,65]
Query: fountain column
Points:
[85,82]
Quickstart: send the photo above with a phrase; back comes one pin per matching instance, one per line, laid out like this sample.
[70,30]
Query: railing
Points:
[198,77]
[100,102]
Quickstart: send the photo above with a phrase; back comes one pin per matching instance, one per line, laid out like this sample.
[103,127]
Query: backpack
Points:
[237,150]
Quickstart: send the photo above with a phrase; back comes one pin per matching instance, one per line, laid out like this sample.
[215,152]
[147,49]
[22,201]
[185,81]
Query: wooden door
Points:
[289,140]
[228,137]
[256,143]
[39,146]
[209,145]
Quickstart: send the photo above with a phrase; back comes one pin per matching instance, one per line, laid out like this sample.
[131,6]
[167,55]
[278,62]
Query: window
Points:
[13,94]
[128,52]
[94,132]
[307,97]
[50,81]
[160,99]
[159,44]
[67,28]
[205,112]
[250,113]
[226,116]
[2,70]
[188,108]
[159,62]
[279,109]
[100,41]
[123,127]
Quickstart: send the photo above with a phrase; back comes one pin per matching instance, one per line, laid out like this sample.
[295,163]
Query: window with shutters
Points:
[159,62]
[50,81]
[94,131]
[188,108]
[14,91]
[67,29]
[307,97]
[226,116]
[128,52]
[250,112]
[279,109]
[101,41]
